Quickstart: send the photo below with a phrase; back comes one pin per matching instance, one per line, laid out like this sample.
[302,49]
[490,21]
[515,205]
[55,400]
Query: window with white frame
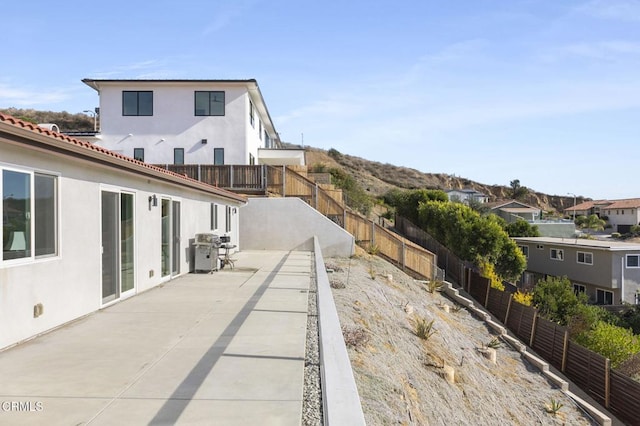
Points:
[633,261]
[585,258]
[29,214]
[604,297]
[227,227]
[557,254]
[525,251]
[251,114]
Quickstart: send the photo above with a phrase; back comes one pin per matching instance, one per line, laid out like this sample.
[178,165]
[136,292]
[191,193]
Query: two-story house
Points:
[188,122]
[620,214]
[607,271]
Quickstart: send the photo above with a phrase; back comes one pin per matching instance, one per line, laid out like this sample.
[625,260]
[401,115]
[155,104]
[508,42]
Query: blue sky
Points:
[546,91]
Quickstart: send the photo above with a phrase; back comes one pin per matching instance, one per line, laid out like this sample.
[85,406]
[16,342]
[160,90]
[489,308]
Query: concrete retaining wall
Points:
[291,224]
[340,398]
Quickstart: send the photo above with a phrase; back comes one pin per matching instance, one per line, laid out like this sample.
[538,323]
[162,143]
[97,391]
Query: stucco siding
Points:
[69,284]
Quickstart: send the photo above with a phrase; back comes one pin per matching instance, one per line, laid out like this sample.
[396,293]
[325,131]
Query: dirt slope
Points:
[400,377]
[378,178]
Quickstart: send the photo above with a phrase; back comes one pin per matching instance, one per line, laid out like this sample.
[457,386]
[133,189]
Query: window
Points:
[252,160]
[137,103]
[138,154]
[525,250]
[267,140]
[46,221]
[260,129]
[604,297]
[29,209]
[214,216]
[585,258]
[178,155]
[251,117]
[209,103]
[227,227]
[633,261]
[218,156]
[557,254]
[579,288]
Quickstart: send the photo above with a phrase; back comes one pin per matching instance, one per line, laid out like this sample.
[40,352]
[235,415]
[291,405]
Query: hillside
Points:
[401,379]
[378,178]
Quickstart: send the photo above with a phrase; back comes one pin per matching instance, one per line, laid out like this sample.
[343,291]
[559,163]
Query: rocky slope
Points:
[401,378]
[378,178]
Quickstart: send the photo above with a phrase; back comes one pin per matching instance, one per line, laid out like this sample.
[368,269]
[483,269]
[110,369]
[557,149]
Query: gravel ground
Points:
[401,378]
[312,399]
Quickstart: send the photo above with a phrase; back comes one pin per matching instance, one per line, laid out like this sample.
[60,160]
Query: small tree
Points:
[592,222]
[517,191]
[521,228]
[555,299]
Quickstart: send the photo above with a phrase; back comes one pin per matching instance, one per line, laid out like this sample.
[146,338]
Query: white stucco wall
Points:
[174,125]
[69,285]
[290,224]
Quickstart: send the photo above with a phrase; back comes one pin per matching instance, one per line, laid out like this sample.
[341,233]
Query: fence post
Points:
[565,350]
[315,195]
[284,178]
[403,248]
[231,175]
[199,174]
[506,315]
[373,233]
[486,299]
[533,330]
[607,382]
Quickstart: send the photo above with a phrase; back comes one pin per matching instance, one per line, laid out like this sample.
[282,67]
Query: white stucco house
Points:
[620,214]
[213,122]
[83,227]
[466,195]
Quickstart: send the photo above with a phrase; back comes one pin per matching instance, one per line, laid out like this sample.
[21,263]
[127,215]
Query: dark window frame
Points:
[177,151]
[138,112]
[138,151]
[215,156]
[208,112]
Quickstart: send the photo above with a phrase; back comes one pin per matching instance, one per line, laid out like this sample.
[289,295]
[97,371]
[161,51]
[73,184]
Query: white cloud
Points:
[227,14]
[31,97]
[623,10]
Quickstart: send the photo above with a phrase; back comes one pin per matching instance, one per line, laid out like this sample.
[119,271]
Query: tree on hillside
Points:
[517,191]
[407,202]
[355,196]
[472,237]
[521,228]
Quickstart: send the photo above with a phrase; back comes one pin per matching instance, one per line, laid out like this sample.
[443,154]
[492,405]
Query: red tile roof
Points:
[630,203]
[132,163]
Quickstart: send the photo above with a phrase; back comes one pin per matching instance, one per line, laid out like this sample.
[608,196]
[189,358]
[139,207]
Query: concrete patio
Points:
[226,348]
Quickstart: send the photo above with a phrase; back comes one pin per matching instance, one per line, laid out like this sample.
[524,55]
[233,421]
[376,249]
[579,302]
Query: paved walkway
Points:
[214,349]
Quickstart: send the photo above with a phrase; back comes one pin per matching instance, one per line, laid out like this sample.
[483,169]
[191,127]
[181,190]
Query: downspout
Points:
[622,281]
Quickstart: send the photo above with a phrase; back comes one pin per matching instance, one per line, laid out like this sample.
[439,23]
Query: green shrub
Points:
[616,343]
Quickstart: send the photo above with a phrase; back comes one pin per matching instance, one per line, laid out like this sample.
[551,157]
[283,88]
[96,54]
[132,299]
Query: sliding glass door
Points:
[117,245]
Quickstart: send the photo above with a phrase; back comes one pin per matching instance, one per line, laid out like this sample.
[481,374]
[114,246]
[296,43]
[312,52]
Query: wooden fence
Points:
[286,182]
[588,370]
